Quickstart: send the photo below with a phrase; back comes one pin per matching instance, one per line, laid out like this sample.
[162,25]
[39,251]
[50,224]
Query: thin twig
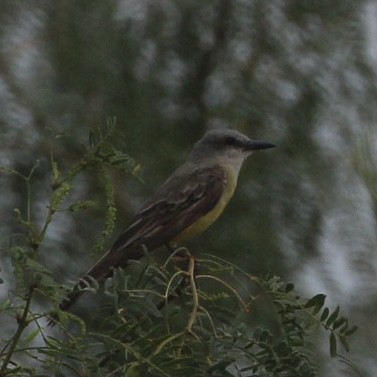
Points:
[239,298]
[195,297]
[22,324]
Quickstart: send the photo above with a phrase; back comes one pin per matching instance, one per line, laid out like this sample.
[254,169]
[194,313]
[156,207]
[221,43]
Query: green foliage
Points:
[166,320]
[182,317]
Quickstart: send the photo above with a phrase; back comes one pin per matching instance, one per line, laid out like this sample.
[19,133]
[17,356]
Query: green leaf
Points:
[350,331]
[82,205]
[333,316]
[33,334]
[221,366]
[339,322]
[344,342]
[333,345]
[316,302]
[325,314]
[289,287]
[92,139]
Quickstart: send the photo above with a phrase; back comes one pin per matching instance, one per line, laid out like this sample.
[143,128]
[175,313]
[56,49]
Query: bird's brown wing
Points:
[179,203]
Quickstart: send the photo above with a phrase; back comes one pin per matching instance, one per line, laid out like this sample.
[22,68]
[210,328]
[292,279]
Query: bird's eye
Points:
[230,140]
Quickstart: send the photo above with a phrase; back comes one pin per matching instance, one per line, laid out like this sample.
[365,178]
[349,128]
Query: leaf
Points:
[92,139]
[316,302]
[289,287]
[325,314]
[82,205]
[344,342]
[221,366]
[350,331]
[333,316]
[339,322]
[333,345]
[33,334]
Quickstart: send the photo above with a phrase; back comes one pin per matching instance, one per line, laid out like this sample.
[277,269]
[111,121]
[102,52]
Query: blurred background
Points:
[299,73]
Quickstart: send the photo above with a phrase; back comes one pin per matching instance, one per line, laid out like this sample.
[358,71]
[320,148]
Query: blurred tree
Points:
[299,73]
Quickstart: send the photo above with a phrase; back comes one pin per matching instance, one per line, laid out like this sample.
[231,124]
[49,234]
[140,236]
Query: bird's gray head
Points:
[226,144]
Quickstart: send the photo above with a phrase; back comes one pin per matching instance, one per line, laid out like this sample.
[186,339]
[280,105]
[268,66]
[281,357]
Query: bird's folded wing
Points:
[179,203]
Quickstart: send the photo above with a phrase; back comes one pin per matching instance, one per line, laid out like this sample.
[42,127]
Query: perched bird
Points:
[186,204]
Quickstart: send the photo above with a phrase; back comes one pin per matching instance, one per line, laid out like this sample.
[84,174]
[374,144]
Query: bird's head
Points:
[226,144]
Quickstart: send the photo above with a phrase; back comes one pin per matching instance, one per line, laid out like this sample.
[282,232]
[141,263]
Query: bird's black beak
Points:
[254,145]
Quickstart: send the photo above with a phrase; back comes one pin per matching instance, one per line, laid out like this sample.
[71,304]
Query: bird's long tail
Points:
[99,271]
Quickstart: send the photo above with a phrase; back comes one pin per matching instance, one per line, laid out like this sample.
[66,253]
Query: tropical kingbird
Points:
[186,204]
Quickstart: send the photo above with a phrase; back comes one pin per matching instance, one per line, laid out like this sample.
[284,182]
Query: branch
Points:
[195,297]
[22,324]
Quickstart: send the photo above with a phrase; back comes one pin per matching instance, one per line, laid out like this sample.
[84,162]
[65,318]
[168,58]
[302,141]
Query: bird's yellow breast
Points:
[206,220]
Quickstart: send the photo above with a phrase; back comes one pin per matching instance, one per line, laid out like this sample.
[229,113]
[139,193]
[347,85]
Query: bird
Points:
[186,204]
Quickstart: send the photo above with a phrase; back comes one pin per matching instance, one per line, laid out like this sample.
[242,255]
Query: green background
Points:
[299,73]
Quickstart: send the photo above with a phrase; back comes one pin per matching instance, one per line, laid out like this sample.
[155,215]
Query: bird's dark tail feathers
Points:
[66,304]
[99,271]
